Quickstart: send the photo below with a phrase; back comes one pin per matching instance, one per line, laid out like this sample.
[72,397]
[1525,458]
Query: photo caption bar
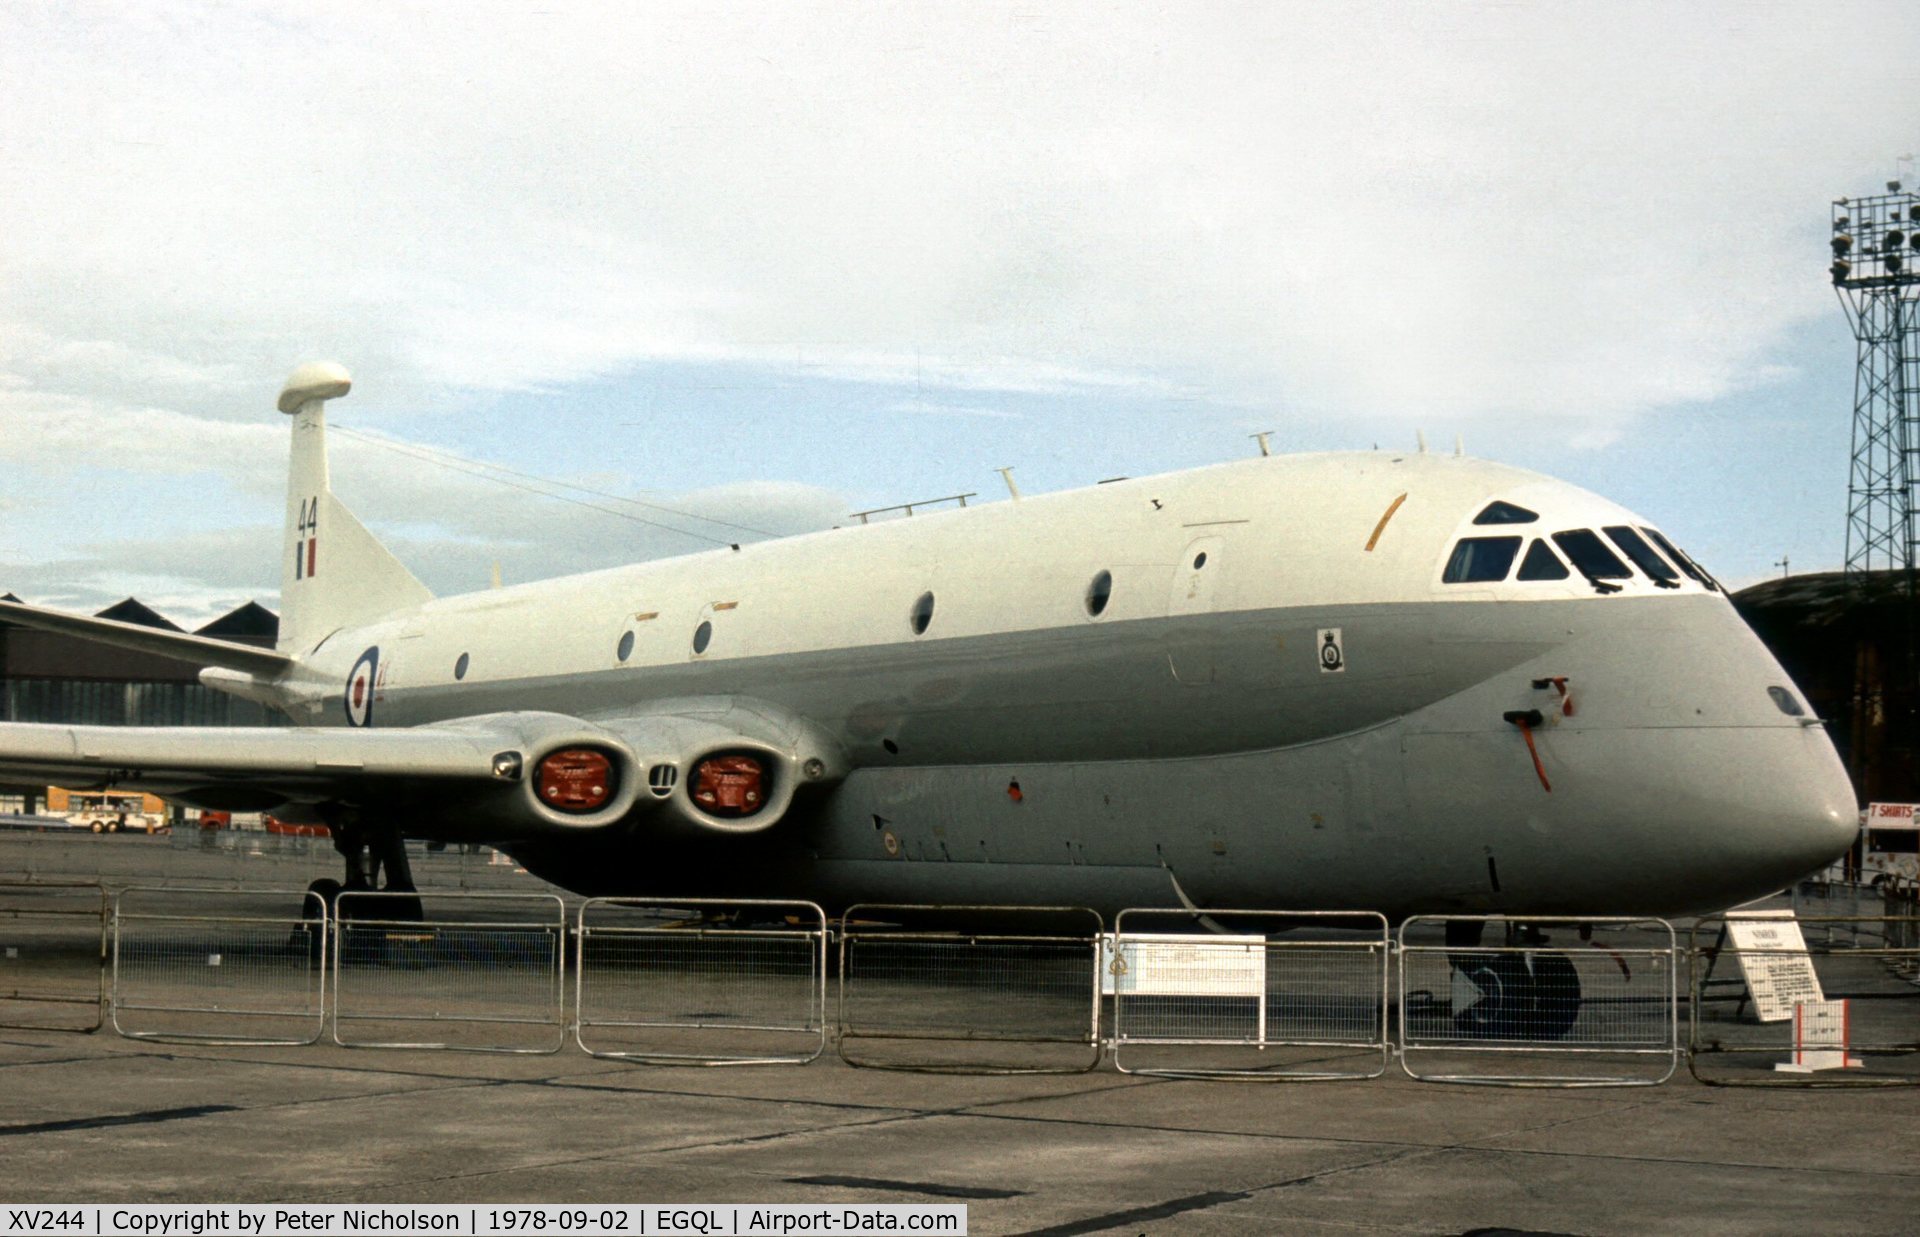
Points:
[482,1220]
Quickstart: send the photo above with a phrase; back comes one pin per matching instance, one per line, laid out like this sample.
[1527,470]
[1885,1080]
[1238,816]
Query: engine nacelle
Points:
[730,766]
[556,773]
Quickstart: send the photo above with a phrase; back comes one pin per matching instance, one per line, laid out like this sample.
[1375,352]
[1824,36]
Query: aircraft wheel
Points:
[1505,997]
[310,933]
[329,891]
[1556,996]
[97,827]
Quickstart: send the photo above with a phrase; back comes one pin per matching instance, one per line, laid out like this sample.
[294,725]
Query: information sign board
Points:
[1774,959]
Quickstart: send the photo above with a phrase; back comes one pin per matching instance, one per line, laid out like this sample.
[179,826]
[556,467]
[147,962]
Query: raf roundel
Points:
[360,685]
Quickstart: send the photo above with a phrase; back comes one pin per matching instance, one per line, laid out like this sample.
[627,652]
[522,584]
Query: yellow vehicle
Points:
[109,811]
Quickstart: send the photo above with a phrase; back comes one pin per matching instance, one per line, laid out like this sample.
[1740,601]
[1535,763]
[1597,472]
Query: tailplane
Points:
[333,572]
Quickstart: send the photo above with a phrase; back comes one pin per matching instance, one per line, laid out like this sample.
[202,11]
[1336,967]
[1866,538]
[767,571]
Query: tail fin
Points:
[333,572]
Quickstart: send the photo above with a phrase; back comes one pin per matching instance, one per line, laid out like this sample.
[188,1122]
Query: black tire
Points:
[311,935]
[1556,996]
[1506,997]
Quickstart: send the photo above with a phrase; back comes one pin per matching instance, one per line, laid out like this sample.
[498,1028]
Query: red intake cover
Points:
[730,785]
[575,779]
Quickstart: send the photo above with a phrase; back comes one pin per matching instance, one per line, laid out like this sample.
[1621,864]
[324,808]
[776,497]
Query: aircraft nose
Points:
[1798,808]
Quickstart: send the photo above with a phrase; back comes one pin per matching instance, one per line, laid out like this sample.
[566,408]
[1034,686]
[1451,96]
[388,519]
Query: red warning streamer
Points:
[1527,721]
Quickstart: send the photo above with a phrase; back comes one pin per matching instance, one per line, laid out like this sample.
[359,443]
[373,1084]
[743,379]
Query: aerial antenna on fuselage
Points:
[1261,438]
[1459,446]
[1006,475]
[1420,437]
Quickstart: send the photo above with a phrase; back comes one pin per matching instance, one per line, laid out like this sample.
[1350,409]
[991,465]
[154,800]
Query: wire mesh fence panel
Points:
[701,981]
[53,941]
[1538,1001]
[1264,995]
[970,989]
[473,972]
[218,965]
[1776,999]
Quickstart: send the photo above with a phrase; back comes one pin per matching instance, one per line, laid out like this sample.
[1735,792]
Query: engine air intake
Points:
[661,779]
[575,779]
[731,786]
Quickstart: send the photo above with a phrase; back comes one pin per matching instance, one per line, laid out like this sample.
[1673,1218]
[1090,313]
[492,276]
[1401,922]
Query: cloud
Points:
[1574,210]
[1583,215]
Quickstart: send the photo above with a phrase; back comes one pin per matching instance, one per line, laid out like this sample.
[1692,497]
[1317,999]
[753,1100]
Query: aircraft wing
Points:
[494,777]
[199,650]
[261,765]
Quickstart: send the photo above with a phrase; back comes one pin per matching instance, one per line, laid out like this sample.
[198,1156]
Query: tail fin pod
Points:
[333,572]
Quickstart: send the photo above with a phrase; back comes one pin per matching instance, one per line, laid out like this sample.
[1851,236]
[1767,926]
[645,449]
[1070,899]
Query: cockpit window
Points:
[1643,556]
[1683,560]
[1479,560]
[1591,555]
[1541,563]
[1505,513]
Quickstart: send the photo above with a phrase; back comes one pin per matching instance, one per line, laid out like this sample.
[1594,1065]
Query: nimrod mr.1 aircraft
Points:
[1403,683]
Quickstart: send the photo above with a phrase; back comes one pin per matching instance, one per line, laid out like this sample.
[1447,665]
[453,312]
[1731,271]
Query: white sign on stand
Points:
[1187,965]
[1774,959]
[1822,1033]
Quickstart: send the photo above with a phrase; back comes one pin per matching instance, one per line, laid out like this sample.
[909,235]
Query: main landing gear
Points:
[1525,993]
[371,852]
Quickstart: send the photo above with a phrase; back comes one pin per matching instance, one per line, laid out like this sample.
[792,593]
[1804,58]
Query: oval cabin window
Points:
[922,616]
[702,637]
[1098,593]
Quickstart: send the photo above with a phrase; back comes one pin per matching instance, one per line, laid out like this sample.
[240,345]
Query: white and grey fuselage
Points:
[1248,685]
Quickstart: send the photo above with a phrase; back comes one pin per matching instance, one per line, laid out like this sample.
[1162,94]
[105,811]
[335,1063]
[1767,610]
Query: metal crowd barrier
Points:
[1520,1011]
[701,981]
[974,989]
[1821,1001]
[53,956]
[485,970]
[179,973]
[1218,996]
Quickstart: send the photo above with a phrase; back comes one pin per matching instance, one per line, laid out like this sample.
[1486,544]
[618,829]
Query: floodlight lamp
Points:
[1840,224]
[1894,238]
[1841,244]
[1893,264]
[1914,240]
[1893,186]
[1840,271]
[1913,212]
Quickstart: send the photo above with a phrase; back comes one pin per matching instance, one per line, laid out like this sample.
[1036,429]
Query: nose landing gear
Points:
[1525,992]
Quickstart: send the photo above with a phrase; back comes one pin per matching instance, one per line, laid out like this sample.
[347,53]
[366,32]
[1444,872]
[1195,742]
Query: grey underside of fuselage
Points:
[1246,775]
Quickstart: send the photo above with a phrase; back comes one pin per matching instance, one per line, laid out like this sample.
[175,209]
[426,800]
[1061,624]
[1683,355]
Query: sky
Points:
[713,272]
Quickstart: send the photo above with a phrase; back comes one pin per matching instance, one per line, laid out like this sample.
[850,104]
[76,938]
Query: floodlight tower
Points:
[1876,248]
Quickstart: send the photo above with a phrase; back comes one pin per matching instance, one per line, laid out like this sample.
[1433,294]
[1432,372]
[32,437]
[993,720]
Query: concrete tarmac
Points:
[98,1118]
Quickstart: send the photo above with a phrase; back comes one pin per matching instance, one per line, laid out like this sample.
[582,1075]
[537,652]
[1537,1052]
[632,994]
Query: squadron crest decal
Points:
[1333,653]
[361,681]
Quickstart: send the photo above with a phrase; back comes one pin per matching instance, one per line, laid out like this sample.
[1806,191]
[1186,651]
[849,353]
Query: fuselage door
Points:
[1194,576]
[1189,638]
